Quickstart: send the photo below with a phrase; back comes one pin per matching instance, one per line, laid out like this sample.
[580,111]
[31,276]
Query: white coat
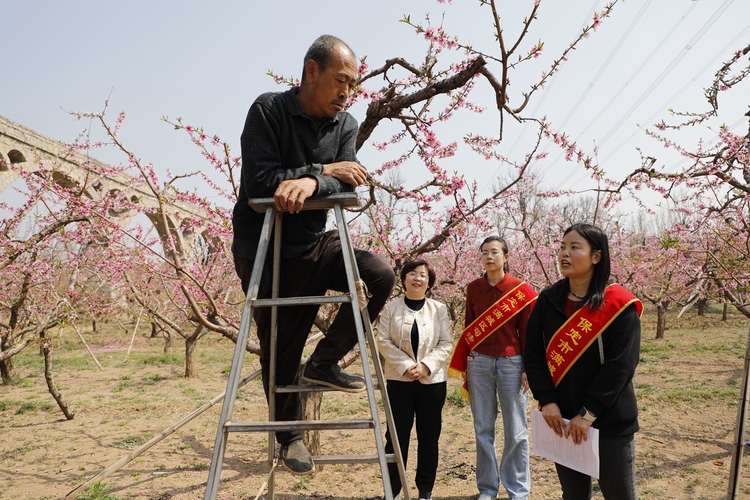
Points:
[393,331]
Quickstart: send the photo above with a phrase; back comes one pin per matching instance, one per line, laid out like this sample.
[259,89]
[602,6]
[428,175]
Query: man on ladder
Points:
[296,145]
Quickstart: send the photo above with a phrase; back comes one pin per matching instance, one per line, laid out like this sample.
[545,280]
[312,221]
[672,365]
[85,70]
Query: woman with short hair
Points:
[414,339]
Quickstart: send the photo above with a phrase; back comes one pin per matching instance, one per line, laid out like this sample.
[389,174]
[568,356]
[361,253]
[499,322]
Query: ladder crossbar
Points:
[351,459]
[343,199]
[309,388]
[298,301]
[290,425]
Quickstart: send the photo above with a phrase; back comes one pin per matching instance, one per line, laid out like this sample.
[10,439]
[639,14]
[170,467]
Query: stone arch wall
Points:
[19,145]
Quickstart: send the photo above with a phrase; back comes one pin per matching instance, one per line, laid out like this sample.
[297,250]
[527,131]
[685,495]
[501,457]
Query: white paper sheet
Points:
[583,457]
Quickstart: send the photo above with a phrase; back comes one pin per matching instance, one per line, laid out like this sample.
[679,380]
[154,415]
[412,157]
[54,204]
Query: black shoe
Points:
[425,495]
[296,458]
[333,377]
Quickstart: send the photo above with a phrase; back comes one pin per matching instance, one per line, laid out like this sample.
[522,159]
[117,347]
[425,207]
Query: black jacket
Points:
[604,389]
[279,143]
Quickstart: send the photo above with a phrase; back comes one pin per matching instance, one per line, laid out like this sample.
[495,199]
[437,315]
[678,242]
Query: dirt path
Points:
[687,386]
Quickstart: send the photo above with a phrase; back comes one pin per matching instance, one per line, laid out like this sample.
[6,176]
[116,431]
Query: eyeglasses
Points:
[413,274]
[495,254]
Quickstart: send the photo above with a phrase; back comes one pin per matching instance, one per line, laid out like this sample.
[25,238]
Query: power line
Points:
[614,97]
[687,85]
[658,81]
[541,100]
[604,66]
[693,41]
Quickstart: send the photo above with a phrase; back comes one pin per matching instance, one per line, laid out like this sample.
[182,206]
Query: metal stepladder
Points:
[273,218]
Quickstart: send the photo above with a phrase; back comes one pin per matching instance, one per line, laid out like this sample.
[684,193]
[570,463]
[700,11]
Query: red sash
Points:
[572,339]
[485,325]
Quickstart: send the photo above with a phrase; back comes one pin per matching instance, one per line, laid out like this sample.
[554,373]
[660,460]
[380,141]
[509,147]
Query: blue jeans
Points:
[489,379]
[616,471]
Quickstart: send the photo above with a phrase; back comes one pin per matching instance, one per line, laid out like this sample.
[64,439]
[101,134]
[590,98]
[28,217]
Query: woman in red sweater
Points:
[489,356]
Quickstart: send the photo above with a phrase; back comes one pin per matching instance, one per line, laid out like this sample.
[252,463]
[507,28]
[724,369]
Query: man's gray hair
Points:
[320,52]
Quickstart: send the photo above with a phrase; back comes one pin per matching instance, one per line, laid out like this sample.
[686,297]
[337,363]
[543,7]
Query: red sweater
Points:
[509,339]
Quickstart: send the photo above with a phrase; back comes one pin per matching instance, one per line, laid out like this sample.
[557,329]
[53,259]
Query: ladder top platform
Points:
[316,203]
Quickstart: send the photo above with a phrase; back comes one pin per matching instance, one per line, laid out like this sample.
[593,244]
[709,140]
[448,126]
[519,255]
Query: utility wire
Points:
[640,68]
[693,41]
[604,66]
[688,84]
[541,100]
[658,81]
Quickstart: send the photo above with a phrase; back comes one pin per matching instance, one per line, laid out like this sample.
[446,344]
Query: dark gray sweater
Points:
[279,142]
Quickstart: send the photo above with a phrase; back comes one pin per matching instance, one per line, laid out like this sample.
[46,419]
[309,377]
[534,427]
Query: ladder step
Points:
[352,459]
[314,388]
[291,425]
[298,301]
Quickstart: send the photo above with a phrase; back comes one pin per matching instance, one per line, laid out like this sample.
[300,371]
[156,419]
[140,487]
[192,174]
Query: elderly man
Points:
[296,145]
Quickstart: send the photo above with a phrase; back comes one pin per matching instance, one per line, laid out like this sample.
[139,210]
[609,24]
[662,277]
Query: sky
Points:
[207,61]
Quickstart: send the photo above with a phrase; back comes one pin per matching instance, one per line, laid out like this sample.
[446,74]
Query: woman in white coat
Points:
[415,340]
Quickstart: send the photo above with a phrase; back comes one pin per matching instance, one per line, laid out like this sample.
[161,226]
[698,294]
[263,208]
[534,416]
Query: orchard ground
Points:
[687,386]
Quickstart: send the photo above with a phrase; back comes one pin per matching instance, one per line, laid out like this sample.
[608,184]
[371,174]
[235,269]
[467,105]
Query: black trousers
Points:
[321,269]
[425,402]
[616,471]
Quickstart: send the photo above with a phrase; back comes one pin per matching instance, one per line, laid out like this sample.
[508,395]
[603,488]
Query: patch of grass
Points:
[644,389]
[122,383]
[98,491]
[162,359]
[702,393]
[152,379]
[129,442]
[454,398]
[657,349]
[34,405]
[716,347]
[74,362]
[24,383]
[301,483]
[7,404]
[692,469]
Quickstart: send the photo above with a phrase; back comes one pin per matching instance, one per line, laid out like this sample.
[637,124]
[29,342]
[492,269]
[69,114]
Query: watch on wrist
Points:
[587,415]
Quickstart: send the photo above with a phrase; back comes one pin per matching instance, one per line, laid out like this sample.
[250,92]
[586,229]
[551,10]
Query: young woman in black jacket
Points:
[582,348]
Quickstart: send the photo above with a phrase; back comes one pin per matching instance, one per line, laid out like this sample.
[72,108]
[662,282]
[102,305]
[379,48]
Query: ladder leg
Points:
[272,361]
[214,474]
[360,314]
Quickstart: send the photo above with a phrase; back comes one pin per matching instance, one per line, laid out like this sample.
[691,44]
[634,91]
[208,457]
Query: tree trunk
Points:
[167,341]
[6,366]
[93,325]
[51,381]
[702,307]
[661,320]
[311,402]
[154,330]
[724,312]
[190,369]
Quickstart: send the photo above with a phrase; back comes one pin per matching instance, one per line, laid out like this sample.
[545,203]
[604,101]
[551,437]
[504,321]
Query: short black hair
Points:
[412,265]
[320,52]
[602,269]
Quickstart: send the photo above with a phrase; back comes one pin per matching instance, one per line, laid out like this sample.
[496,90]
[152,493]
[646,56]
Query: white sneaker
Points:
[485,496]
